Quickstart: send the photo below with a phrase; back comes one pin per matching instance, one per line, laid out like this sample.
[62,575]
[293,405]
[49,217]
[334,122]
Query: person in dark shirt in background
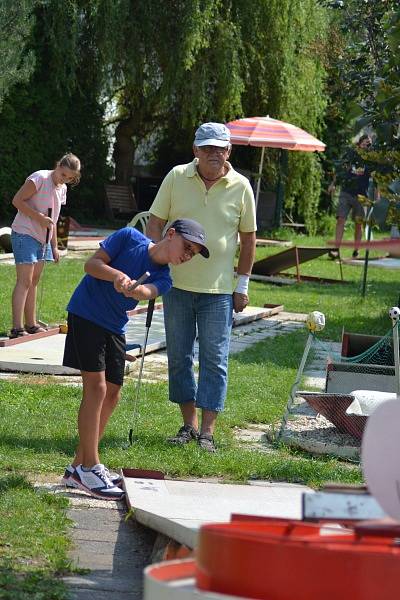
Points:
[353,177]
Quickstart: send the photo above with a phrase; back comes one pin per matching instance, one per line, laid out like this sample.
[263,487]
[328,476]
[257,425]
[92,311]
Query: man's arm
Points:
[247,252]
[155,228]
[245,265]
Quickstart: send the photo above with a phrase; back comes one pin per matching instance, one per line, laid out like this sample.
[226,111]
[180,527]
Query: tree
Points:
[368,70]
[217,60]
[358,54]
[16,62]
[147,73]
[157,70]
[382,113]
[58,110]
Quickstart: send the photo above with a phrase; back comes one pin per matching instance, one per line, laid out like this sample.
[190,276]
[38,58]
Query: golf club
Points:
[49,211]
[139,281]
[149,316]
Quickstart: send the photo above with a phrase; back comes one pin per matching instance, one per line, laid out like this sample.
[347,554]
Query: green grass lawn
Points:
[38,426]
[342,304]
[33,542]
[38,423]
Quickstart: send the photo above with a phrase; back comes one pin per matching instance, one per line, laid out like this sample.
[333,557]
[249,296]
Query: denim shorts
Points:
[27,250]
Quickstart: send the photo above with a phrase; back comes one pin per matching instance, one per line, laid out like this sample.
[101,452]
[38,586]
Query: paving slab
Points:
[114,549]
[6,257]
[381,263]
[44,355]
[110,545]
[177,509]
[78,244]
[272,243]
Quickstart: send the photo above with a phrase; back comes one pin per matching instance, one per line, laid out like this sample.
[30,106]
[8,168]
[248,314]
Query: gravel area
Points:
[318,429]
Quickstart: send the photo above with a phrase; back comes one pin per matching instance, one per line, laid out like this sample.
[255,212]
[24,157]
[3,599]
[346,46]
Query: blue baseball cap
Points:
[193,232]
[212,134]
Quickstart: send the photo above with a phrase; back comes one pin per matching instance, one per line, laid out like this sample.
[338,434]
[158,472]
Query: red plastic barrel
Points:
[292,560]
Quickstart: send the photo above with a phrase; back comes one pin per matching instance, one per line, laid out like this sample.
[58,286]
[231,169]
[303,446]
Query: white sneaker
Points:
[67,478]
[70,482]
[97,482]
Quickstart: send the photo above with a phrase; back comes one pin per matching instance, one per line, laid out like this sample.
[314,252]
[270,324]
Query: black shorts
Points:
[89,347]
[349,202]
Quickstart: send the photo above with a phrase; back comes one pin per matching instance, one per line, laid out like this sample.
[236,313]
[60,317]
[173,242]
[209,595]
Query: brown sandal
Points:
[34,329]
[17,332]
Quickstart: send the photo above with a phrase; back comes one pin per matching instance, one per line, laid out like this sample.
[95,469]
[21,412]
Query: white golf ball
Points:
[315,321]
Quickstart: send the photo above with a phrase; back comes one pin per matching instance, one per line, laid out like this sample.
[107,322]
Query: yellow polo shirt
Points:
[226,208]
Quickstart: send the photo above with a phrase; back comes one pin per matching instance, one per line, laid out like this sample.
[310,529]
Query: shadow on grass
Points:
[67,446]
[13,482]
[34,584]
[45,445]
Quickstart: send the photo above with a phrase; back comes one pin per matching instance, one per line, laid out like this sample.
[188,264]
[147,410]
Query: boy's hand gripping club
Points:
[139,281]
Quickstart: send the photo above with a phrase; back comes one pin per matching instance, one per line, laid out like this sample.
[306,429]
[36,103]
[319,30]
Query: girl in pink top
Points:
[42,195]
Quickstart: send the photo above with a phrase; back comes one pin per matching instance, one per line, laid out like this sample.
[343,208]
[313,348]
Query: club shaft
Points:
[149,316]
[139,281]
[49,213]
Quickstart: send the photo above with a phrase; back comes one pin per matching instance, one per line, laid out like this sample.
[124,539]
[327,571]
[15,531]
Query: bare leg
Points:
[20,293]
[30,304]
[358,230]
[340,222]
[94,393]
[109,403]
[189,414]
[208,418]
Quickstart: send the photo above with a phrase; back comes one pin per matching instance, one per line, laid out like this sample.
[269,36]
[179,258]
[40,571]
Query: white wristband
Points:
[242,285]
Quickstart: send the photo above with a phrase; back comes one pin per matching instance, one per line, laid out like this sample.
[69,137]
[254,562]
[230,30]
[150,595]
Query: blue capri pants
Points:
[211,315]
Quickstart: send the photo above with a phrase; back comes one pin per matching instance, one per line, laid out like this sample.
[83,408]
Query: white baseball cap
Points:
[212,134]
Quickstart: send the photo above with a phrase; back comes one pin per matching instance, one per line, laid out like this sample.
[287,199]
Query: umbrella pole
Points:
[280,187]
[260,168]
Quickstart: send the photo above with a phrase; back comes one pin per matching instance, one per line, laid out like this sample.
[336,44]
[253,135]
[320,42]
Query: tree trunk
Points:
[124,152]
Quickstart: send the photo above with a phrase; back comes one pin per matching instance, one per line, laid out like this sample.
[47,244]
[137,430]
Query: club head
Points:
[132,438]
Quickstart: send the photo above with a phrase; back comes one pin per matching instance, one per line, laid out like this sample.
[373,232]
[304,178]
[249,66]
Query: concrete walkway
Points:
[114,548]
[109,546]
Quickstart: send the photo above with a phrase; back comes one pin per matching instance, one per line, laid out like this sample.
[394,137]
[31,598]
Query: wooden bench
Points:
[120,200]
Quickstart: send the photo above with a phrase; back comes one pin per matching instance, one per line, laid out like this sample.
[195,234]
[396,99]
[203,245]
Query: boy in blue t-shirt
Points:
[95,343]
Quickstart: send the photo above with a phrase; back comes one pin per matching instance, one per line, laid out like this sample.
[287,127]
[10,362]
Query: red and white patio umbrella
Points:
[265,132]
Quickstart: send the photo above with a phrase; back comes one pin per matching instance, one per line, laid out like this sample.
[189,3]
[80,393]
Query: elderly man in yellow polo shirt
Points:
[203,295]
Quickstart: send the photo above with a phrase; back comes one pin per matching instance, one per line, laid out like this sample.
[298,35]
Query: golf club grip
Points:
[150,310]
[139,281]
[49,211]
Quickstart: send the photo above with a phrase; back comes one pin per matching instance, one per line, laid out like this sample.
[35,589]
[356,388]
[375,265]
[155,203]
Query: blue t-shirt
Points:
[97,300]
